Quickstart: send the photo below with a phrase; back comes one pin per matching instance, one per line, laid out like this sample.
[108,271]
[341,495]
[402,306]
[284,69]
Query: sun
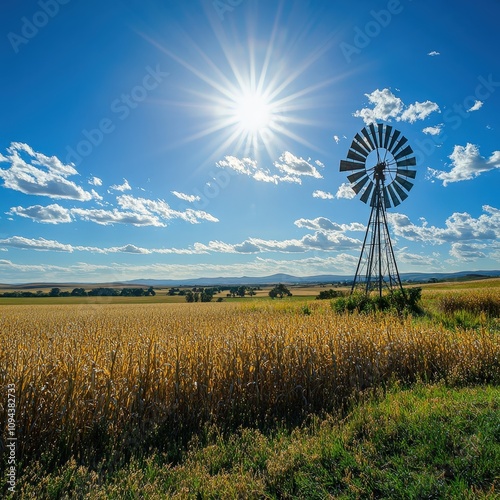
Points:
[253,113]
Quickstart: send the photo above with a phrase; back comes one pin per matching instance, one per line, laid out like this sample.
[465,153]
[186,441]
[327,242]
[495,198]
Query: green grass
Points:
[424,442]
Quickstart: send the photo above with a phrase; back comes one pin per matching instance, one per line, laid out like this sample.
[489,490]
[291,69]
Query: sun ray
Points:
[250,96]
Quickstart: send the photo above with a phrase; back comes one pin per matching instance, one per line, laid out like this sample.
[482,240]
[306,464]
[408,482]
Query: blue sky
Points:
[169,139]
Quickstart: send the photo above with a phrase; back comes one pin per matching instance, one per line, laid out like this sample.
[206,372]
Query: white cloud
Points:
[467,252]
[336,138]
[324,224]
[50,214]
[418,111]
[40,244]
[108,217]
[345,191]
[434,53]
[386,106]
[294,166]
[191,198]
[477,105]
[458,228]
[322,194]
[436,130]
[121,187]
[162,209]
[467,164]
[248,167]
[291,168]
[39,174]
[95,181]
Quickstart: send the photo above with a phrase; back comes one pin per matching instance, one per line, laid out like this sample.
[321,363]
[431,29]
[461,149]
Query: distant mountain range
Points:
[297,280]
[273,279]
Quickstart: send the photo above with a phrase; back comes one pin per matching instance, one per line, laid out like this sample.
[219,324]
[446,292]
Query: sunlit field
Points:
[109,382]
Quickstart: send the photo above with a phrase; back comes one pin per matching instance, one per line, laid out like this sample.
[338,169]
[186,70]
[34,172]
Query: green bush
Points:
[398,301]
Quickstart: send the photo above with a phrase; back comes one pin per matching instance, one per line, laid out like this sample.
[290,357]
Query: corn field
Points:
[91,378]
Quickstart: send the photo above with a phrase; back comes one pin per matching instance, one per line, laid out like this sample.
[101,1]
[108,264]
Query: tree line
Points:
[81,292]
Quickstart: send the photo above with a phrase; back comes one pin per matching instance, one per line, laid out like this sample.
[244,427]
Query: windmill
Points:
[380,160]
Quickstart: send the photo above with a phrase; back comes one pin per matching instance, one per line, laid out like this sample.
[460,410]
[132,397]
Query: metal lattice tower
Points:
[385,182]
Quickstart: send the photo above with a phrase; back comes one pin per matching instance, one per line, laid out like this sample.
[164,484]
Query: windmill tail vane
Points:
[381,162]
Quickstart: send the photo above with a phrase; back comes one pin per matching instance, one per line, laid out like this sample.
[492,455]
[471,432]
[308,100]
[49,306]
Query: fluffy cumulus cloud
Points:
[466,164]
[386,106]
[161,209]
[290,168]
[433,53]
[296,167]
[435,130]
[467,252]
[460,227]
[345,191]
[418,111]
[34,173]
[50,214]
[324,195]
[95,181]
[125,186]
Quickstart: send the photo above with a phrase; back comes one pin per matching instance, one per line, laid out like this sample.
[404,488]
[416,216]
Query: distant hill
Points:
[287,279]
[297,280]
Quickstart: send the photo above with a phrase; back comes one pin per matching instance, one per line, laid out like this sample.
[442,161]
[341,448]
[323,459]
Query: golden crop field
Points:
[92,376]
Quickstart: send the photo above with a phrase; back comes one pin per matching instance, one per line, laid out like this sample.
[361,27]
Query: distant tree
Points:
[207,294]
[54,292]
[78,292]
[279,291]
[189,296]
[150,291]
[196,296]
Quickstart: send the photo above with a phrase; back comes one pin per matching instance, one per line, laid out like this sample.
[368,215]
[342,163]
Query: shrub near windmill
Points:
[380,159]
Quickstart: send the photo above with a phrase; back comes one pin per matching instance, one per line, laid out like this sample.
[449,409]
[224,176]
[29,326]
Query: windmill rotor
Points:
[381,167]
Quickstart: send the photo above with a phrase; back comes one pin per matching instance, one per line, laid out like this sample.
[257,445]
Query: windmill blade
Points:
[406,184]
[355,177]
[352,155]
[406,152]
[407,162]
[399,144]
[394,198]
[374,198]
[367,137]
[380,134]
[357,187]
[406,172]
[387,202]
[362,142]
[358,148]
[400,192]
[388,130]
[396,134]
[374,134]
[347,166]
[366,194]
